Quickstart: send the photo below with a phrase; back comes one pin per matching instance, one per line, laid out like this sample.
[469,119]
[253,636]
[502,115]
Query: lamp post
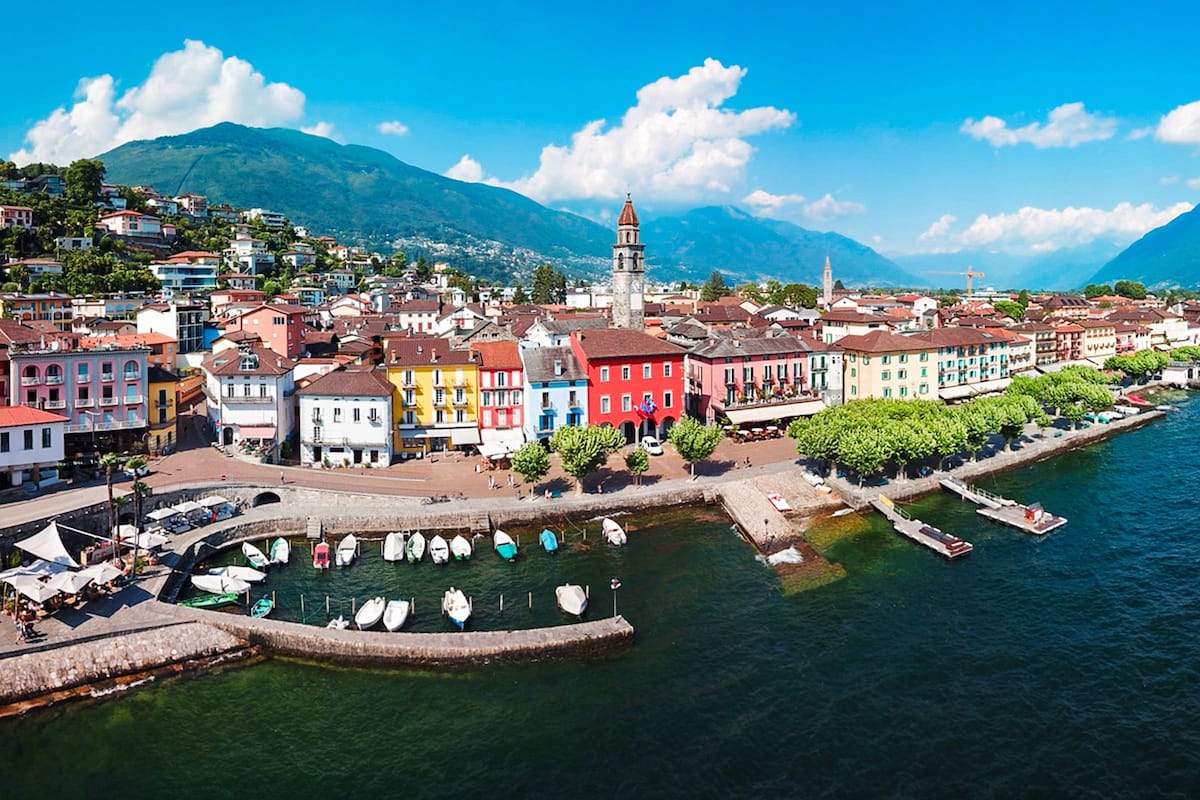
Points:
[615,584]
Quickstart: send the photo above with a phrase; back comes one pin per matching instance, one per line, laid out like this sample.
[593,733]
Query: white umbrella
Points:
[69,582]
[102,572]
[48,544]
[145,541]
[215,500]
[32,588]
[38,569]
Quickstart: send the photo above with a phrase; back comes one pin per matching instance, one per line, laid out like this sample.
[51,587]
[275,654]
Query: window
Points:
[625,372]
[886,375]
[501,398]
[460,415]
[604,374]
[924,356]
[887,392]
[866,359]
[245,390]
[604,405]
[501,379]
[4,442]
[277,321]
[667,400]
[439,397]
[626,402]
[666,369]
[572,399]
[904,358]
[924,372]
[337,413]
[728,375]
[903,391]
[901,374]
[81,372]
[545,399]
[646,371]
[439,416]
[516,397]
[262,390]
[853,390]
[924,388]
[854,372]
[487,399]
[28,438]
[357,414]
[408,377]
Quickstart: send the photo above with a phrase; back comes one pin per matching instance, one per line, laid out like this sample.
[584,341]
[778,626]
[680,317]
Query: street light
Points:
[615,584]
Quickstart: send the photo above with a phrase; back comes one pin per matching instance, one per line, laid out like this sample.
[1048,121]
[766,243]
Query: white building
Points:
[131,223]
[249,255]
[345,419]
[179,276]
[182,321]
[556,391]
[249,391]
[31,446]
[272,219]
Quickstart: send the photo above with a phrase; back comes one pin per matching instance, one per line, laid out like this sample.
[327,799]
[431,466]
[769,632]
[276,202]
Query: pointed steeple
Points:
[628,215]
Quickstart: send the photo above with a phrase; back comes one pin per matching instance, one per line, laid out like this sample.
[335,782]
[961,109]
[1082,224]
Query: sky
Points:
[1022,127]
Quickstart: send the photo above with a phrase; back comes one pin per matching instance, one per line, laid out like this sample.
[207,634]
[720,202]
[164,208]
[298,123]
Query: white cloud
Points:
[1192,183]
[467,169]
[767,203]
[675,143]
[1169,180]
[940,228]
[1180,126]
[1054,228]
[323,129]
[827,208]
[1139,133]
[1068,125]
[392,128]
[187,89]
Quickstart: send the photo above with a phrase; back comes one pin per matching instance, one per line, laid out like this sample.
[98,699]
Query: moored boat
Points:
[460,546]
[370,613]
[256,557]
[395,614]
[347,549]
[416,547]
[504,545]
[456,606]
[262,606]
[281,551]
[247,574]
[549,540]
[220,584]
[439,551]
[393,546]
[572,599]
[613,532]
[210,600]
[339,624]
[321,556]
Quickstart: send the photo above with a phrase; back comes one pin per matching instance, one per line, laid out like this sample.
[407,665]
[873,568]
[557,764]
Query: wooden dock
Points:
[1029,519]
[936,540]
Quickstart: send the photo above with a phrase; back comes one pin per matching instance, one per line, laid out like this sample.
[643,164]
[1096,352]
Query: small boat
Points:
[455,604]
[256,557]
[220,584]
[460,546]
[779,502]
[262,606]
[416,547]
[504,545]
[347,549]
[613,532]
[841,512]
[395,615]
[247,574]
[321,556]
[571,599]
[210,600]
[370,613]
[549,540]
[339,624]
[393,547]
[439,551]
[281,551]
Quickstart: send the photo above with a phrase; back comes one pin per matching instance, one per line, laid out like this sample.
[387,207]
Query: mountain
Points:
[943,270]
[751,248]
[1166,256]
[1058,271]
[366,196]
[1066,270]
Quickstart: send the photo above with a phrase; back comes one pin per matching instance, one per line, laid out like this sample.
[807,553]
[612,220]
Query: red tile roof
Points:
[498,355]
[617,343]
[11,416]
[628,215]
[883,342]
[350,383]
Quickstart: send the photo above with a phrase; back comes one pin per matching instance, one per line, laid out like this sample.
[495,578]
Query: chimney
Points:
[433,355]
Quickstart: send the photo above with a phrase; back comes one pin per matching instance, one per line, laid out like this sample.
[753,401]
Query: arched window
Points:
[30,371]
[131,371]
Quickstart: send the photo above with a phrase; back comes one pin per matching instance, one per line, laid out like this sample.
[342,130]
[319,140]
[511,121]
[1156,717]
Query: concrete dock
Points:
[1029,519]
[936,540]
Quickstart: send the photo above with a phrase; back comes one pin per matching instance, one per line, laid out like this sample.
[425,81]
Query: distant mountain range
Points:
[1064,270]
[1166,256]
[363,195]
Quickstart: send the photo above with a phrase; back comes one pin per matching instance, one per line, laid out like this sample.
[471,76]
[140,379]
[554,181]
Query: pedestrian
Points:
[747,462]
[21,636]
[281,478]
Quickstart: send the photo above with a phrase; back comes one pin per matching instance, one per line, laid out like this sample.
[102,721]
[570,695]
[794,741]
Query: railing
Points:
[104,426]
[460,401]
[54,379]
[133,376]
[30,381]
[751,402]
[255,399]
[84,402]
[108,401]
[134,399]
[56,404]
[107,377]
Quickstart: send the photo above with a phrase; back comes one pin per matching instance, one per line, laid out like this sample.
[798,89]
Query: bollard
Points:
[327,605]
[302,619]
[502,603]
[587,591]
[531,601]
[353,600]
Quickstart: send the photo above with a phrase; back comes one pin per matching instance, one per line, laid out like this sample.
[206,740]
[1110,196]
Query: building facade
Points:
[885,365]
[635,380]
[346,419]
[31,446]
[628,271]
[556,391]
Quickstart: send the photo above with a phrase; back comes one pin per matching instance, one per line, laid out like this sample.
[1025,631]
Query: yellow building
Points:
[884,365]
[163,387]
[436,400]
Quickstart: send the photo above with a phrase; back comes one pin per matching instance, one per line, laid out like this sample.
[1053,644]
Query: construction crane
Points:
[970,273]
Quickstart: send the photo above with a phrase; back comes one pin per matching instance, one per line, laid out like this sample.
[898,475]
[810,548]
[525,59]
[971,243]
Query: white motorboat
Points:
[370,613]
[613,532]
[572,599]
[339,624]
[347,549]
[395,615]
[256,557]
[281,551]
[504,545]
[247,574]
[439,551]
[220,584]
[415,547]
[456,606]
[393,547]
[460,546]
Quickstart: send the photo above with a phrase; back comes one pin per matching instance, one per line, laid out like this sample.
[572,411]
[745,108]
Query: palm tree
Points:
[111,462]
[140,490]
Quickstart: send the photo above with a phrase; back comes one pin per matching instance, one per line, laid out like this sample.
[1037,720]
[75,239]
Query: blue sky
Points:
[910,127]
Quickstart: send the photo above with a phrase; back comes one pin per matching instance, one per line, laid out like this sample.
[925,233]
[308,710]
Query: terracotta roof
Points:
[957,337]
[498,355]
[127,340]
[853,316]
[24,415]
[628,215]
[1096,323]
[229,362]
[349,383]
[424,350]
[722,347]
[883,342]
[617,343]
[13,332]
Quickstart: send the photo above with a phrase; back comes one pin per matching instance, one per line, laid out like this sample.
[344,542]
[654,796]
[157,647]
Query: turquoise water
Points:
[1058,667]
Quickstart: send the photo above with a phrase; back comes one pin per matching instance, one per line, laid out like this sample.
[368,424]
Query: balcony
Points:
[84,402]
[106,377]
[31,380]
[54,379]
[55,405]
[116,425]
[544,407]
[251,399]
[134,399]
[133,376]
[460,401]
[108,401]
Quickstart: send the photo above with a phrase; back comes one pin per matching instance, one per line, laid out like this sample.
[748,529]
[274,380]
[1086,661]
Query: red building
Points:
[635,380]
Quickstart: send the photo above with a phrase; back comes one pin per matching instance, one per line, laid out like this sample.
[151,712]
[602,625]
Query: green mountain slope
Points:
[1166,256]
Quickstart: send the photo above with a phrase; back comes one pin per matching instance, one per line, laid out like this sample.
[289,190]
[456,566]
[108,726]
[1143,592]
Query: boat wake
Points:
[789,556]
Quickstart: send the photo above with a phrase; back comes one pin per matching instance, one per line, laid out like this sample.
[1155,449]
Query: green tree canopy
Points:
[531,462]
[1131,289]
[583,450]
[1010,309]
[1093,290]
[519,297]
[549,285]
[637,461]
[694,441]
[84,179]
[714,288]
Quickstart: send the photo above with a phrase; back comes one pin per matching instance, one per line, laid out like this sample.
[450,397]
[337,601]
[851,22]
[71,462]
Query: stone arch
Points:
[664,428]
[264,498]
[227,436]
[629,431]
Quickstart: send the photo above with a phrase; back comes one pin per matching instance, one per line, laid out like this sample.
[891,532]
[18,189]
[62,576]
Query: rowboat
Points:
[571,599]
[220,584]
[439,551]
[455,604]
[210,600]
[321,556]
[416,547]
[262,606]
[247,574]
[613,532]
[370,613]
[549,540]
[347,549]
[256,557]
[460,546]
[779,502]
[395,615]
[281,551]
[393,547]
[339,624]
[504,545]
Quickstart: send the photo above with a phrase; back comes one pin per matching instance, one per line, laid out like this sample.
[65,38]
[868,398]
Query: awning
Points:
[464,436]
[256,431]
[188,507]
[804,408]
[38,569]
[47,544]
[965,390]
[158,515]
[69,582]
[211,502]
[956,392]
[512,438]
[32,588]
[494,450]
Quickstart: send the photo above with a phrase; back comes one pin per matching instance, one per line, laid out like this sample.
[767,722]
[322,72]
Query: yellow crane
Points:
[970,273]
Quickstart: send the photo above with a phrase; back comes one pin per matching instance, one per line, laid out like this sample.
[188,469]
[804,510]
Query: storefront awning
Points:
[464,436]
[955,392]
[513,438]
[804,408]
[256,431]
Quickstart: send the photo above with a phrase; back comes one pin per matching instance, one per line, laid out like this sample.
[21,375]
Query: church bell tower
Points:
[628,276]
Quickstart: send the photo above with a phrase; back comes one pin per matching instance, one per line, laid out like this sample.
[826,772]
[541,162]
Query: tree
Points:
[798,295]
[584,450]
[531,462]
[139,490]
[519,296]
[838,286]
[84,179]
[637,461]
[694,441]
[1094,290]
[549,285]
[1023,299]
[1010,309]
[1131,289]
[714,287]
[110,463]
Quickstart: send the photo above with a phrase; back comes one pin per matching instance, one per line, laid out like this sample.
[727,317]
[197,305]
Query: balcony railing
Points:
[133,376]
[54,405]
[86,427]
[84,402]
[106,377]
[460,401]
[134,399]
[30,380]
[255,399]
[54,379]
[108,401]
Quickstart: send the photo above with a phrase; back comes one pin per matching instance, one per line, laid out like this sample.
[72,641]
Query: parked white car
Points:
[140,472]
[651,446]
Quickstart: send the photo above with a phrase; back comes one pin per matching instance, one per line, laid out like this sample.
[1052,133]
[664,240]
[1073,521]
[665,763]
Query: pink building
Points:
[16,216]
[750,379]
[501,405]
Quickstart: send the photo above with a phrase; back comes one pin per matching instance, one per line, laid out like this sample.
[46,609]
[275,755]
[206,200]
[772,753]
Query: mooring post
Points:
[302,619]
[353,600]
[531,601]
[502,603]
[327,605]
